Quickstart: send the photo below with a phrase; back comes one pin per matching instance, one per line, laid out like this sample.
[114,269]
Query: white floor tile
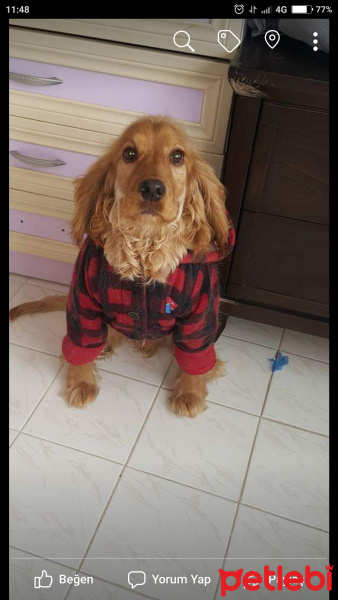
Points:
[310,346]
[247,375]
[12,435]
[30,374]
[252,331]
[299,395]
[42,332]
[126,361]
[52,285]
[149,517]
[172,373]
[258,534]
[210,452]
[17,277]
[14,286]
[57,497]
[108,427]
[24,568]
[288,474]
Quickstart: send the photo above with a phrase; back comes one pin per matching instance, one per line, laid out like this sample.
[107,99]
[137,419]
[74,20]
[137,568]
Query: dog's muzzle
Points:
[152,189]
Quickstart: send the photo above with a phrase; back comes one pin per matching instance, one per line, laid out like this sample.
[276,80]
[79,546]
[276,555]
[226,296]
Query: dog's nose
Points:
[152,189]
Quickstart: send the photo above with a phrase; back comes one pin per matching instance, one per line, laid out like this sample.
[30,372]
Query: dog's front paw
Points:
[81,394]
[187,404]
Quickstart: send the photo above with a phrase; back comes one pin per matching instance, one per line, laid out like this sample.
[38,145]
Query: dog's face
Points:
[152,162]
[150,179]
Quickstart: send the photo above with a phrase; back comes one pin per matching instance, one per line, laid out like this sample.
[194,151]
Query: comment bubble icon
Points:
[136,578]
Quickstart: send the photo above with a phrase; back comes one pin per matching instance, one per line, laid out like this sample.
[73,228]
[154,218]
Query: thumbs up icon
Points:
[45,581]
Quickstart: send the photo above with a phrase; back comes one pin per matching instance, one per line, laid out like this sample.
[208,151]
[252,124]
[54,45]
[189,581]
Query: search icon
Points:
[183,45]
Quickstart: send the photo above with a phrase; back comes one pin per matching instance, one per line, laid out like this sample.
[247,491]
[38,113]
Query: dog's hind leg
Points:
[114,339]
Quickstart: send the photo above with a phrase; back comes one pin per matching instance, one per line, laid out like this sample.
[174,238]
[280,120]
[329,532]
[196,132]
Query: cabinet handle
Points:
[32,80]
[37,162]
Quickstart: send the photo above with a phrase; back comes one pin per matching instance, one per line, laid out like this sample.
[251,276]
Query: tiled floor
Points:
[126,485]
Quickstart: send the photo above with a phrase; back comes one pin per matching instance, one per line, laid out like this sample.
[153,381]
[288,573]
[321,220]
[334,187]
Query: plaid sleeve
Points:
[86,329]
[195,333]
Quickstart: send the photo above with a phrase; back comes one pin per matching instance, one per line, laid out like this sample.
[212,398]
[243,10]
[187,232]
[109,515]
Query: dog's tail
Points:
[48,304]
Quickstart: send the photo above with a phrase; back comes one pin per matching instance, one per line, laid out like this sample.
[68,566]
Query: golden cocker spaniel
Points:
[151,223]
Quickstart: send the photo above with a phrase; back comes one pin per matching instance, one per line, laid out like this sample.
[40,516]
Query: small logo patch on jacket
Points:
[170,305]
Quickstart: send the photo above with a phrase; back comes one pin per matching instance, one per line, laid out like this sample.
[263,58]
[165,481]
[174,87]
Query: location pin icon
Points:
[272,38]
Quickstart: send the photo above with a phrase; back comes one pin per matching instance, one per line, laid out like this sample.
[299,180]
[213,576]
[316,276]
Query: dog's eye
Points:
[176,157]
[129,154]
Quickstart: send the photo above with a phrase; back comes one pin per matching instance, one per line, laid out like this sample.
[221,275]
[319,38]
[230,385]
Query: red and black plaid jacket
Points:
[186,306]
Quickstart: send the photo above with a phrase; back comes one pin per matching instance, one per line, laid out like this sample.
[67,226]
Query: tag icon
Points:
[228,40]
[272,38]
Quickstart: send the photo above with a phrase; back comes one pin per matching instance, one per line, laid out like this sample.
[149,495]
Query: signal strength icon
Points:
[267,11]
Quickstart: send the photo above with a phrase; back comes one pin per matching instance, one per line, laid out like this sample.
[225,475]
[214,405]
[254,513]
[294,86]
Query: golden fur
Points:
[143,238]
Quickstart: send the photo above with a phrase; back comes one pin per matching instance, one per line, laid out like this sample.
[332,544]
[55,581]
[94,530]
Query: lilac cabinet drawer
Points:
[40,267]
[75,164]
[105,86]
[112,91]
[58,230]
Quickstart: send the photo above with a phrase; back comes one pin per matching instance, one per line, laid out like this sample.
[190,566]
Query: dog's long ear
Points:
[206,202]
[93,191]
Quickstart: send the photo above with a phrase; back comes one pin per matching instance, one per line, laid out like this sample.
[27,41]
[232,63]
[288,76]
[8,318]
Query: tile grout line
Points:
[326,362]
[21,345]
[33,281]
[38,437]
[232,337]
[18,290]
[263,510]
[39,401]
[248,466]
[114,489]
[11,343]
[292,426]
[128,377]
[52,289]
[266,417]
[204,491]
[246,412]
[125,465]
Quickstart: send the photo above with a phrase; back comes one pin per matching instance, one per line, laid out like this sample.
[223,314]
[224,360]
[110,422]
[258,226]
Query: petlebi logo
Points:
[293,580]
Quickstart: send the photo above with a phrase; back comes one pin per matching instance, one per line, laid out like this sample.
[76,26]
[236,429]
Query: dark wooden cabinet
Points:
[276,173]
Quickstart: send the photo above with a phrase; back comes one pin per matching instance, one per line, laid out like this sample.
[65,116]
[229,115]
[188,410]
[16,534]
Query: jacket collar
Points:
[212,256]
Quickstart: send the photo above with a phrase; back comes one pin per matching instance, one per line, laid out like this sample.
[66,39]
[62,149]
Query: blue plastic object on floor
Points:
[279,363]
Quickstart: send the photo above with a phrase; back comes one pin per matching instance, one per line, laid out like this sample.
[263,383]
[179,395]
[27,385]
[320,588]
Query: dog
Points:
[151,224]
